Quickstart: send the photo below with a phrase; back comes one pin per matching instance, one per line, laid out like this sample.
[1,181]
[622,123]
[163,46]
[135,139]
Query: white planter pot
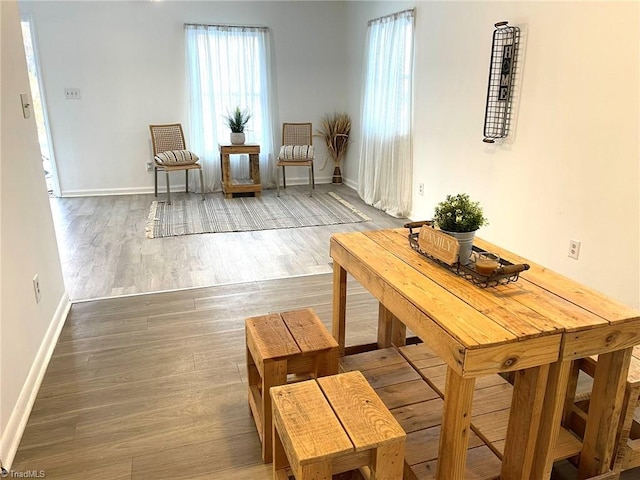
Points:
[237,138]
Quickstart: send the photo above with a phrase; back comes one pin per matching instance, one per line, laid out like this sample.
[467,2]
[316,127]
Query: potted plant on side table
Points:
[237,120]
[460,217]
[335,129]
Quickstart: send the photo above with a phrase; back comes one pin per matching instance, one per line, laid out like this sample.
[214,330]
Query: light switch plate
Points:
[26,105]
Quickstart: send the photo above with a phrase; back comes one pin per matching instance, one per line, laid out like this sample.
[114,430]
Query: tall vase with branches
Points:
[335,129]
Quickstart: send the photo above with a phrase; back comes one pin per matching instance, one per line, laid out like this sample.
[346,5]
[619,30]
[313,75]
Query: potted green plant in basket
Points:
[237,121]
[460,217]
[335,129]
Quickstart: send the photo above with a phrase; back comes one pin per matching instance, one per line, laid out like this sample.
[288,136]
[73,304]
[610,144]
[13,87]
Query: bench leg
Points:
[274,374]
[280,459]
[570,399]
[327,363]
[628,410]
[387,463]
[315,471]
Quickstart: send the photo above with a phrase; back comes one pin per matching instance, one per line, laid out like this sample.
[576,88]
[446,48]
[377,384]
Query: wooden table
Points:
[230,185]
[534,327]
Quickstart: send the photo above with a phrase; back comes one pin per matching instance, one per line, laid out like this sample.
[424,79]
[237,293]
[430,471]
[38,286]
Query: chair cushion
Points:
[176,157]
[296,152]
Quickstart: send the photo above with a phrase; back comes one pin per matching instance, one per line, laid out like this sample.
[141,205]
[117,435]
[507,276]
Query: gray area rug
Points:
[217,214]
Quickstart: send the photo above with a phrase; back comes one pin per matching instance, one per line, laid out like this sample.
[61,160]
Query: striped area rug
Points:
[217,214]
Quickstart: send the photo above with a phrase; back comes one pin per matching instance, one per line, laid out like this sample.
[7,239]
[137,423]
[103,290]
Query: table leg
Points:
[456,427]
[391,331]
[385,319]
[398,332]
[524,421]
[550,420]
[339,305]
[254,165]
[605,408]
[226,181]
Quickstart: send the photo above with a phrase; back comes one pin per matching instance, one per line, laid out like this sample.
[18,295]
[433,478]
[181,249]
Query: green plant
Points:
[458,213]
[238,119]
[335,129]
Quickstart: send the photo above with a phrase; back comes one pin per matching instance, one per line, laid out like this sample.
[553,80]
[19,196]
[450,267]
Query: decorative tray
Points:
[507,272]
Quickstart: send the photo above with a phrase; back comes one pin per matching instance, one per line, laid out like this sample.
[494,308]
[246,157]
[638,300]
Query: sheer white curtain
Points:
[384,177]
[229,66]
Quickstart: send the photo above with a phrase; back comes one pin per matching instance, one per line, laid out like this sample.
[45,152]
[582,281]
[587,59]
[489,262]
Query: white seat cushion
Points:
[176,157]
[296,152]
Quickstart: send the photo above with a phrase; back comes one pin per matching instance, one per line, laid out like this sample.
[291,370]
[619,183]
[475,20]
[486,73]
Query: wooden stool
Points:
[333,425]
[290,343]
[628,437]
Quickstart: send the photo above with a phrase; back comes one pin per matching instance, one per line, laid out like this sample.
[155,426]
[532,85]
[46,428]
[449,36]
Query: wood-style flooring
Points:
[104,251]
[154,386]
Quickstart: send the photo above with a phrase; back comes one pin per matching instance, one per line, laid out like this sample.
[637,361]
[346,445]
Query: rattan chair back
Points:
[167,137]
[297,134]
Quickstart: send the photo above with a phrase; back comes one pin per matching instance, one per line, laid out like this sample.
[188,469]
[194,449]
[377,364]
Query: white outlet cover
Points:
[72,93]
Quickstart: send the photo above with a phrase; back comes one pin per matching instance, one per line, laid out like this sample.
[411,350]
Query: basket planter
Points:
[337,176]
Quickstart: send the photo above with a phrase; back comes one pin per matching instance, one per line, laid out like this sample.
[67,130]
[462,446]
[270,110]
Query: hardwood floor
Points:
[154,386]
[104,251]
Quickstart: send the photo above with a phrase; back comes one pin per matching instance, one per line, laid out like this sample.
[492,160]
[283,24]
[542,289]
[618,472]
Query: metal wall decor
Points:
[504,57]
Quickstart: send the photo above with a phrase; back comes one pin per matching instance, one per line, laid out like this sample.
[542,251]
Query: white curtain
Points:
[384,177]
[229,67]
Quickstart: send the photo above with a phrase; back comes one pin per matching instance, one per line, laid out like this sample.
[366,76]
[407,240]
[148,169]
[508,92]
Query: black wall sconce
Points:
[504,57]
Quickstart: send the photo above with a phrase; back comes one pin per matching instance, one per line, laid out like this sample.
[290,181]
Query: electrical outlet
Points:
[421,189]
[574,249]
[36,288]
[149,166]
[72,93]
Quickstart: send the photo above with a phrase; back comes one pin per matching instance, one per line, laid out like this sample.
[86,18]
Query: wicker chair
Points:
[296,151]
[170,154]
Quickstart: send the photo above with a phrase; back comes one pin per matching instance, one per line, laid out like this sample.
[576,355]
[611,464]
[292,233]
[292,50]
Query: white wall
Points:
[571,170]
[128,60]
[28,330]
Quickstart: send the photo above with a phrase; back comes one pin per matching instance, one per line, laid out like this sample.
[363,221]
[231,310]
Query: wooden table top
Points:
[231,148]
[536,320]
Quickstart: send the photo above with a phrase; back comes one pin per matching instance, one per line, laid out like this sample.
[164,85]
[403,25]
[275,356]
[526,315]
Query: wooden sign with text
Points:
[439,245]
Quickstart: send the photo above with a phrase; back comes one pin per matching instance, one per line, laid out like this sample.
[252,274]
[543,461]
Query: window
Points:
[384,179]
[228,66]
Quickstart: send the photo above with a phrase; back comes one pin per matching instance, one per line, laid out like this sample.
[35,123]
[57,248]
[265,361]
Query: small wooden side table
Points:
[230,185]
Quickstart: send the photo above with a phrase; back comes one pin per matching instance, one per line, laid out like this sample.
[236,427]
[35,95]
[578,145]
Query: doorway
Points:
[39,107]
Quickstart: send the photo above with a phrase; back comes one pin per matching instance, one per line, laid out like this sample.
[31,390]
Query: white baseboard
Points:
[99,192]
[350,183]
[18,419]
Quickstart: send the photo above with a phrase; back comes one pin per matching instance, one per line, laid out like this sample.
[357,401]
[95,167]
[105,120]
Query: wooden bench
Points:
[578,396]
[333,425]
[280,348]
